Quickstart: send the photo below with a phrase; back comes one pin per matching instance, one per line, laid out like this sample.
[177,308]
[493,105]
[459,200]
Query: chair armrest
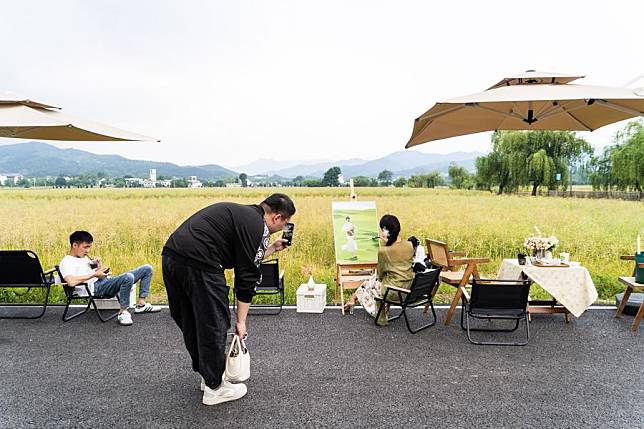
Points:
[281,275]
[627,257]
[457,253]
[465,261]
[396,288]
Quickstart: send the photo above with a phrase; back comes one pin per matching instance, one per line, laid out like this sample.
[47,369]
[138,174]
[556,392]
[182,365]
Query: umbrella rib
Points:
[512,114]
[620,108]
[577,120]
[439,114]
[558,108]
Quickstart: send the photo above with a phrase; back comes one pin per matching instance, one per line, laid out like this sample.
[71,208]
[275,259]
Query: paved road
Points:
[324,371]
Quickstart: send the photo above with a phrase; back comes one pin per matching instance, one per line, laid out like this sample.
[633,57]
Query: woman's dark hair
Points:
[280,203]
[391,223]
[80,237]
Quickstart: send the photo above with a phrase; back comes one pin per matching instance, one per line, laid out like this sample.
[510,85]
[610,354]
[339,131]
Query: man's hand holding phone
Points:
[101,273]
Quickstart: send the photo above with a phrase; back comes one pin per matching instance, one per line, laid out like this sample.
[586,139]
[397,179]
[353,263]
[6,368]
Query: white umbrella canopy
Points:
[27,119]
[532,101]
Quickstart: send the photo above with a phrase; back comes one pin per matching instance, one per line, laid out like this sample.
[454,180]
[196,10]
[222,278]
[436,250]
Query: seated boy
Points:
[78,268]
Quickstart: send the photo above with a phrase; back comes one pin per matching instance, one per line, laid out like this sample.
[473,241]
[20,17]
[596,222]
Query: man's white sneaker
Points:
[125,318]
[224,393]
[203,384]
[147,308]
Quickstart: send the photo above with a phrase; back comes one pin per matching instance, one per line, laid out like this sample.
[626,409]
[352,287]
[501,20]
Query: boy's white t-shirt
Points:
[72,266]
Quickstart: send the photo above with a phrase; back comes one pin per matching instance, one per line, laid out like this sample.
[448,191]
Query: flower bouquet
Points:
[539,243]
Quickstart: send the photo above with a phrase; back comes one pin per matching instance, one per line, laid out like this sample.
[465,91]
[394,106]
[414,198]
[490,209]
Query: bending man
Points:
[218,237]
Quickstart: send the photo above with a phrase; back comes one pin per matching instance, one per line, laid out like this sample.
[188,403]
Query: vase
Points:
[548,254]
[538,253]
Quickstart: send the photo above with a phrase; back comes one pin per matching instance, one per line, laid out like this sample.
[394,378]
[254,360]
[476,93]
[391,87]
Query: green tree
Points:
[361,181]
[400,182]
[523,158]
[60,182]
[429,180]
[331,177]
[243,178]
[459,177]
[385,177]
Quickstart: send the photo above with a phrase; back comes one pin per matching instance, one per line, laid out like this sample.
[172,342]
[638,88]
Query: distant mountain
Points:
[316,169]
[264,166]
[442,166]
[41,159]
[407,160]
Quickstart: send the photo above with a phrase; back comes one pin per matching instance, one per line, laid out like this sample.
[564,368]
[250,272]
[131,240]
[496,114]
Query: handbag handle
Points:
[234,346]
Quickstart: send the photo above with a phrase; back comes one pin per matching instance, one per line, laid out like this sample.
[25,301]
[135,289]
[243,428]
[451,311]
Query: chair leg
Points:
[638,318]
[627,294]
[490,343]
[342,298]
[452,307]
[432,323]
[73,316]
[99,314]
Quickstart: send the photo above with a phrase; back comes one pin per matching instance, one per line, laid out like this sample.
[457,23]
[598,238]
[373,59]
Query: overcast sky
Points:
[228,82]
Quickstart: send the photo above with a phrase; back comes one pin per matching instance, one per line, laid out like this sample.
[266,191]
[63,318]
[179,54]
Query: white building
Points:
[13,177]
[153,175]
[194,183]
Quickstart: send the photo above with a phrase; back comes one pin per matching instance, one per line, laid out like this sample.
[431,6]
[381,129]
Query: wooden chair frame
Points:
[631,285]
[450,262]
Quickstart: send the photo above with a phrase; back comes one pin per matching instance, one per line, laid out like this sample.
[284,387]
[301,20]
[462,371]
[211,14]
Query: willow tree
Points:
[627,157]
[530,158]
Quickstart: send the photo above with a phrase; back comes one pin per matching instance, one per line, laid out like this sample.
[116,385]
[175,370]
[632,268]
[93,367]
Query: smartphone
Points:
[107,270]
[287,233]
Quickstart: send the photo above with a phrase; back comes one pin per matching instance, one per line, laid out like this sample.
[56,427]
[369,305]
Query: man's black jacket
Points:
[223,236]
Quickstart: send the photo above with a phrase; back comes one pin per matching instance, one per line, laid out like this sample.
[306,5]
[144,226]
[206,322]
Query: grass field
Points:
[130,226]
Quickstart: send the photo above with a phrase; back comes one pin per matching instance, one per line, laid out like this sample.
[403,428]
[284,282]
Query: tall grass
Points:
[130,226]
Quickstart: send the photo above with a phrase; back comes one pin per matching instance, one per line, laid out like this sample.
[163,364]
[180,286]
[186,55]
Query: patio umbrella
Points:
[531,101]
[26,119]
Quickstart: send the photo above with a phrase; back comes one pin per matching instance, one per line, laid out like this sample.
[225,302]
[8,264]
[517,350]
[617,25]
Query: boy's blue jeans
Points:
[122,285]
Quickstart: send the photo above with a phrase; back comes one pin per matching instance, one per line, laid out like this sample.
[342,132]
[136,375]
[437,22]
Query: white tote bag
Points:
[237,361]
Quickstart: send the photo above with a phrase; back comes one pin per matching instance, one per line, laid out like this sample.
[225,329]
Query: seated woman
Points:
[395,260]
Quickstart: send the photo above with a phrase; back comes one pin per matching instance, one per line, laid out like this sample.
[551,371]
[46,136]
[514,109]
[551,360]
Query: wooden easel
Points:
[351,276]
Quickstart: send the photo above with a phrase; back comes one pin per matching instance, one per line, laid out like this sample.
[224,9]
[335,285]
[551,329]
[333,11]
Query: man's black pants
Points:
[198,303]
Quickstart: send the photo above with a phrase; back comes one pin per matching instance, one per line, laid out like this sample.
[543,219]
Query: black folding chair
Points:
[419,293]
[498,300]
[272,284]
[22,269]
[72,295]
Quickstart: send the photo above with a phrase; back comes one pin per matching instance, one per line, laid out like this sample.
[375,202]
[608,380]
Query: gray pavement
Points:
[324,371]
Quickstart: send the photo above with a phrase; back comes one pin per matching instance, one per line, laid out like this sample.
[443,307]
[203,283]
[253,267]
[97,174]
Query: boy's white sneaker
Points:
[225,392]
[125,318]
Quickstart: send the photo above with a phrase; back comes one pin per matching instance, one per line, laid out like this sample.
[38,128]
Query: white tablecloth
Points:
[572,287]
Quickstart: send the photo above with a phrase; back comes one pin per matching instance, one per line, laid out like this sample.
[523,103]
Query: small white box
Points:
[311,301]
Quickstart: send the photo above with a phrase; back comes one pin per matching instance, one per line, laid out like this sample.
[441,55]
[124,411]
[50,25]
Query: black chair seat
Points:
[497,312]
[420,293]
[496,299]
[22,269]
[272,284]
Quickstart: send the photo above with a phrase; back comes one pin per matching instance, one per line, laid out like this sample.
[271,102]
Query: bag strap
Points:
[234,345]
[242,346]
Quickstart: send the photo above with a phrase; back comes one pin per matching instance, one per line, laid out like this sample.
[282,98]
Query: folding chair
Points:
[450,262]
[272,284]
[22,269]
[419,293]
[72,295]
[499,300]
